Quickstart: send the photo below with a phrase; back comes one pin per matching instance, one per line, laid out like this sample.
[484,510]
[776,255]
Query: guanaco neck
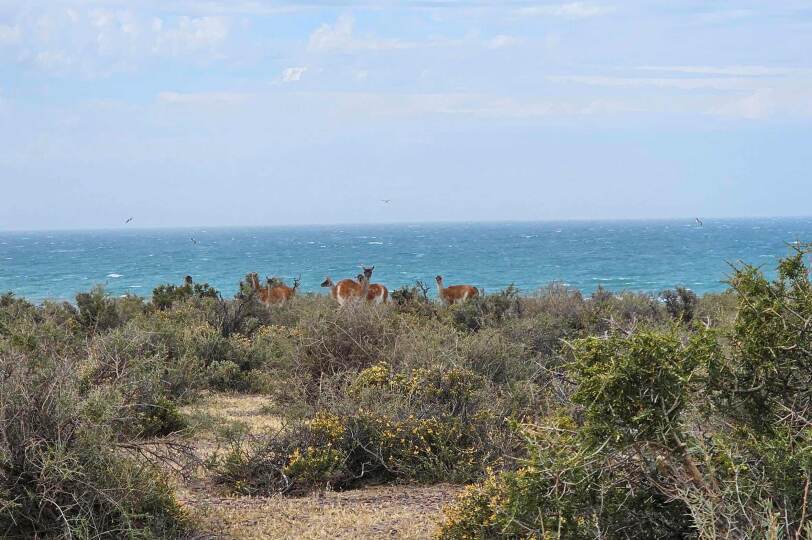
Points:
[255,282]
[440,288]
[364,286]
[333,289]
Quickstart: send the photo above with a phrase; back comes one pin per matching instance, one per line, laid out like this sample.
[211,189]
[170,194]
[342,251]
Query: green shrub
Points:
[65,473]
[635,388]
[161,418]
[414,299]
[426,425]
[680,303]
[562,490]
[163,296]
[578,481]
[97,311]
[767,376]
[671,433]
[342,453]
[351,338]
[225,375]
[487,310]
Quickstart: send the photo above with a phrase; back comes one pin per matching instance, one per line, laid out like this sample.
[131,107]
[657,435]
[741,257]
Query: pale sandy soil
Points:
[407,512]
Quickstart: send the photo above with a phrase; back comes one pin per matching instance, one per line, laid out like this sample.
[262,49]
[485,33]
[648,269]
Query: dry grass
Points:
[216,412]
[407,511]
[245,409]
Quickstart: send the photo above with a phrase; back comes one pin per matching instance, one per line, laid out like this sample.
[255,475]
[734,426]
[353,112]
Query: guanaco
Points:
[455,293]
[377,293]
[347,289]
[281,293]
[261,292]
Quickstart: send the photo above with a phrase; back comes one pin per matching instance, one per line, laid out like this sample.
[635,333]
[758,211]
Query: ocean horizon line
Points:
[690,219]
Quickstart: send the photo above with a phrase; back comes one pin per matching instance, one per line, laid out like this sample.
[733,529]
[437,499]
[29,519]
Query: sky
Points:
[269,112]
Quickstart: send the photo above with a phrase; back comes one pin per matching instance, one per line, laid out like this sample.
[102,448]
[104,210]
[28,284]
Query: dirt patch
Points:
[404,511]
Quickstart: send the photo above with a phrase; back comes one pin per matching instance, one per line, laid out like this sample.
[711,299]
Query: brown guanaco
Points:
[274,292]
[376,293]
[261,292]
[279,293]
[455,293]
[347,289]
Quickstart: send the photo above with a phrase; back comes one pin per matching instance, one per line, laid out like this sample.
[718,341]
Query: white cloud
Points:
[94,42]
[721,16]
[340,37]
[293,74]
[330,37]
[9,35]
[683,83]
[735,71]
[571,10]
[54,61]
[753,107]
[191,35]
[788,102]
[486,106]
[501,41]
[203,98]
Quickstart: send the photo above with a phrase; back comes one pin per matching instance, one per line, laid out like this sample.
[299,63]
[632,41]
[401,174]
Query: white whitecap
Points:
[114,275]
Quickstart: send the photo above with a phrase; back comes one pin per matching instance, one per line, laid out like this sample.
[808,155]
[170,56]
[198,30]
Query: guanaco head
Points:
[327,282]
[439,280]
[187,280]
[368,271]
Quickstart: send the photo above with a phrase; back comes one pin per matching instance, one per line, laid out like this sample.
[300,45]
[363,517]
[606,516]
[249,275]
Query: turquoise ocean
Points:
[644,256]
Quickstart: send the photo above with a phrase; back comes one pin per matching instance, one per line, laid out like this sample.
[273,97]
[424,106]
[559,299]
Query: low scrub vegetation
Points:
[568,416]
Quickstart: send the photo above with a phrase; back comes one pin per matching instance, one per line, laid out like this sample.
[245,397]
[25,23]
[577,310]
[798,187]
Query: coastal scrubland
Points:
[550,414]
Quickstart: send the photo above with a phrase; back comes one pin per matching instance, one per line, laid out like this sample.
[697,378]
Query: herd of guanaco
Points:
[348,290]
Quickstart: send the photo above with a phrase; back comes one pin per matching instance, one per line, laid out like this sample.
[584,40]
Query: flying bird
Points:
[193,240]
[128,220]
[699,222]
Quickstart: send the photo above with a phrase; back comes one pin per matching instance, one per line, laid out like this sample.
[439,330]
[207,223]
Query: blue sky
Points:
[259,112]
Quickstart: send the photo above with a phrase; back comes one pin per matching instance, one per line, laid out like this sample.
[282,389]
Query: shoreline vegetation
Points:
[546,415]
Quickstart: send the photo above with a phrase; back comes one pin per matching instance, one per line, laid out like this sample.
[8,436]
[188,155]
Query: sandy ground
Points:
[403,511]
